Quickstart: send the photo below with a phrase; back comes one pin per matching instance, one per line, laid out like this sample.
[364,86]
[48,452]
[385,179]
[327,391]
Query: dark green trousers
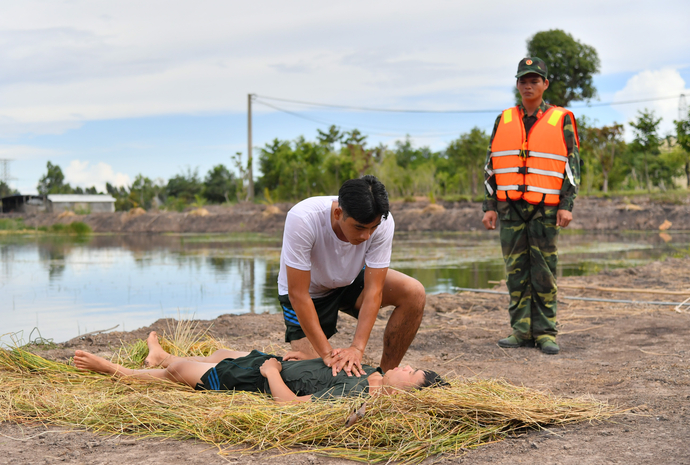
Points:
[530,255]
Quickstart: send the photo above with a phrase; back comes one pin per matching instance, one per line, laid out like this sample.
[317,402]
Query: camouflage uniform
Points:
[529,249]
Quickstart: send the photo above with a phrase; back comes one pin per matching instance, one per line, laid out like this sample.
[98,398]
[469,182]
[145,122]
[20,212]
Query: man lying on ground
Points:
[286,381]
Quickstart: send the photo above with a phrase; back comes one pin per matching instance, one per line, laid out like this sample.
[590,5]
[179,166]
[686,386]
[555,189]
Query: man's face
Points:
[532,86]
[403,378]
[355,232]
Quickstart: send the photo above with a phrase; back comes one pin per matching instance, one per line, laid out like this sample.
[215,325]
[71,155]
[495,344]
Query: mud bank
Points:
[635,356]
[589,214]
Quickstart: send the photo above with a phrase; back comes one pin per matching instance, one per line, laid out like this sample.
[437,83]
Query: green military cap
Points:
[531,65]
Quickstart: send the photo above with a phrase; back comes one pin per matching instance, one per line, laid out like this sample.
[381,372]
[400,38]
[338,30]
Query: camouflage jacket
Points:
[568,190]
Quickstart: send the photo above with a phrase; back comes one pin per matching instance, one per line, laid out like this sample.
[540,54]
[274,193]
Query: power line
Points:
[399,110]
[380,110]
[328,123]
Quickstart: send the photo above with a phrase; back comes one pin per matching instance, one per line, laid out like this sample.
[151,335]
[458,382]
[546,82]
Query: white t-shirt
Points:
[310,244]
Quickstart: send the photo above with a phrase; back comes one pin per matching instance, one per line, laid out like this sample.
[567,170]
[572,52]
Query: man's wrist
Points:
[489,205]
[359,349]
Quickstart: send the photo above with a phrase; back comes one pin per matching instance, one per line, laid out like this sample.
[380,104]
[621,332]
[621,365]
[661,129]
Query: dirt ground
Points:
[590,213]
[635,356]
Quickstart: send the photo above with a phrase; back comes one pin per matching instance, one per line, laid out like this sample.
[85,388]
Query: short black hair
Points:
[364,199]
[433,379]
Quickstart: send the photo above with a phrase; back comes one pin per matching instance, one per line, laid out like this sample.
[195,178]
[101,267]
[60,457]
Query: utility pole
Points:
[250,171]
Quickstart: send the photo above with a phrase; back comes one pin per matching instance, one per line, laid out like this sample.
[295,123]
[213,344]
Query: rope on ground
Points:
[613,289]
[589,299]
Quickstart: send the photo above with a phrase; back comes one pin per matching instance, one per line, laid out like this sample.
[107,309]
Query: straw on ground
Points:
[408,426]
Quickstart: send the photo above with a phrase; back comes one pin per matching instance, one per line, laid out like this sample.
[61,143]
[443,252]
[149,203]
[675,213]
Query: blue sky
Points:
[108,90]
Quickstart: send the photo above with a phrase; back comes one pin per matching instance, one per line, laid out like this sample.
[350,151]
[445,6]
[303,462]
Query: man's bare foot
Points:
[86,361]
[156,355]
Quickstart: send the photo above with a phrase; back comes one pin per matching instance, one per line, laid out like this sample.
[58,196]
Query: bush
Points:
[77,227]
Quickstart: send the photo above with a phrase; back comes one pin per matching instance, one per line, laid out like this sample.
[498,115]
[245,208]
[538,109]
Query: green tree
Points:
[408,156]
[185,186]
[145,191]
[468,152]
[646,144]
[683,140]
[571,65]
[114,191]
[6,190]
[53,182]
[219,185]
[293,170]
[328,139]
[605,146]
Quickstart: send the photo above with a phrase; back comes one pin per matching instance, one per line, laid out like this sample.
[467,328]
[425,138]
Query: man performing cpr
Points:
[335,257]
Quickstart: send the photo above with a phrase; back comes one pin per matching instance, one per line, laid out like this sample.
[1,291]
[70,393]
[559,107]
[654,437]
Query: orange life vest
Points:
[532,166]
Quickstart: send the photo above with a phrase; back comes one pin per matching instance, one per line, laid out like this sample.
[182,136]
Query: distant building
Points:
[80,203]
[57,203]
[23,204]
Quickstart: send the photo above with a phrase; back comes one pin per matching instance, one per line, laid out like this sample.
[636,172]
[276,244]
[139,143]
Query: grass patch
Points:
[408,426]
[10,225]
[675,197]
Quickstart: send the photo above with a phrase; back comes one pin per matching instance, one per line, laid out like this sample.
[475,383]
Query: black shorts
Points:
[240,374]
[342,299]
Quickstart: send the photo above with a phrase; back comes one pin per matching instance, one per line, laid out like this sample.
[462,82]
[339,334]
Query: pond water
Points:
[59,287]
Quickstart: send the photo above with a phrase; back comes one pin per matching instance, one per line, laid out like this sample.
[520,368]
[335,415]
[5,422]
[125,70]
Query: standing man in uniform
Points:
[335,257]
[532,178]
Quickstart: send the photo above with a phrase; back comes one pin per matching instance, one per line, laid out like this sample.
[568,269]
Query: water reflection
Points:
[66,287]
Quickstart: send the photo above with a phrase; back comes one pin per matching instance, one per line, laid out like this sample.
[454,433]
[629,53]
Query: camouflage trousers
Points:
[530,255]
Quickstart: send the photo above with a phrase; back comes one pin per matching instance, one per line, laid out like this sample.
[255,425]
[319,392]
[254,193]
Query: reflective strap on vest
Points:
[507,170]
[555,174]
[551,156]
[542,190]
[513,187]
[569,172]
[489,188]
[505,153]
[488,170]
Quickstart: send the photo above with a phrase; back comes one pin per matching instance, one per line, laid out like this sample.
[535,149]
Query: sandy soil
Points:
[590,214]
[636,356]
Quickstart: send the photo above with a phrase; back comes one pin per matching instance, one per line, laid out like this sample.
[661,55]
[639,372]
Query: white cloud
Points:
[75,61]
[26,152]
[81,173]
[650,84]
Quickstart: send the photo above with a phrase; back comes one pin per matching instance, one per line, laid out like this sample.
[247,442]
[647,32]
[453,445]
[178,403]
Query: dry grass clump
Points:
[136,211]
[66,214]
[271,210]
[407,426]
[201,211]
[433,208]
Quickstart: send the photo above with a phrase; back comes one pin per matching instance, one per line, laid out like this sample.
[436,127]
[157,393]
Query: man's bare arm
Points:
[298,291]
[350,359]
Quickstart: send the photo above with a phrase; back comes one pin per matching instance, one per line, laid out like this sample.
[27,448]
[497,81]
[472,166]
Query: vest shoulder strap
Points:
[572,120]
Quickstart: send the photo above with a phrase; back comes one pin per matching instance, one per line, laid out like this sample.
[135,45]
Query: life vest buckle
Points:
[522,169]
[521,188]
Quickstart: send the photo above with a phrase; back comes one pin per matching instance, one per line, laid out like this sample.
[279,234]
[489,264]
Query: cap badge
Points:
[528,62]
